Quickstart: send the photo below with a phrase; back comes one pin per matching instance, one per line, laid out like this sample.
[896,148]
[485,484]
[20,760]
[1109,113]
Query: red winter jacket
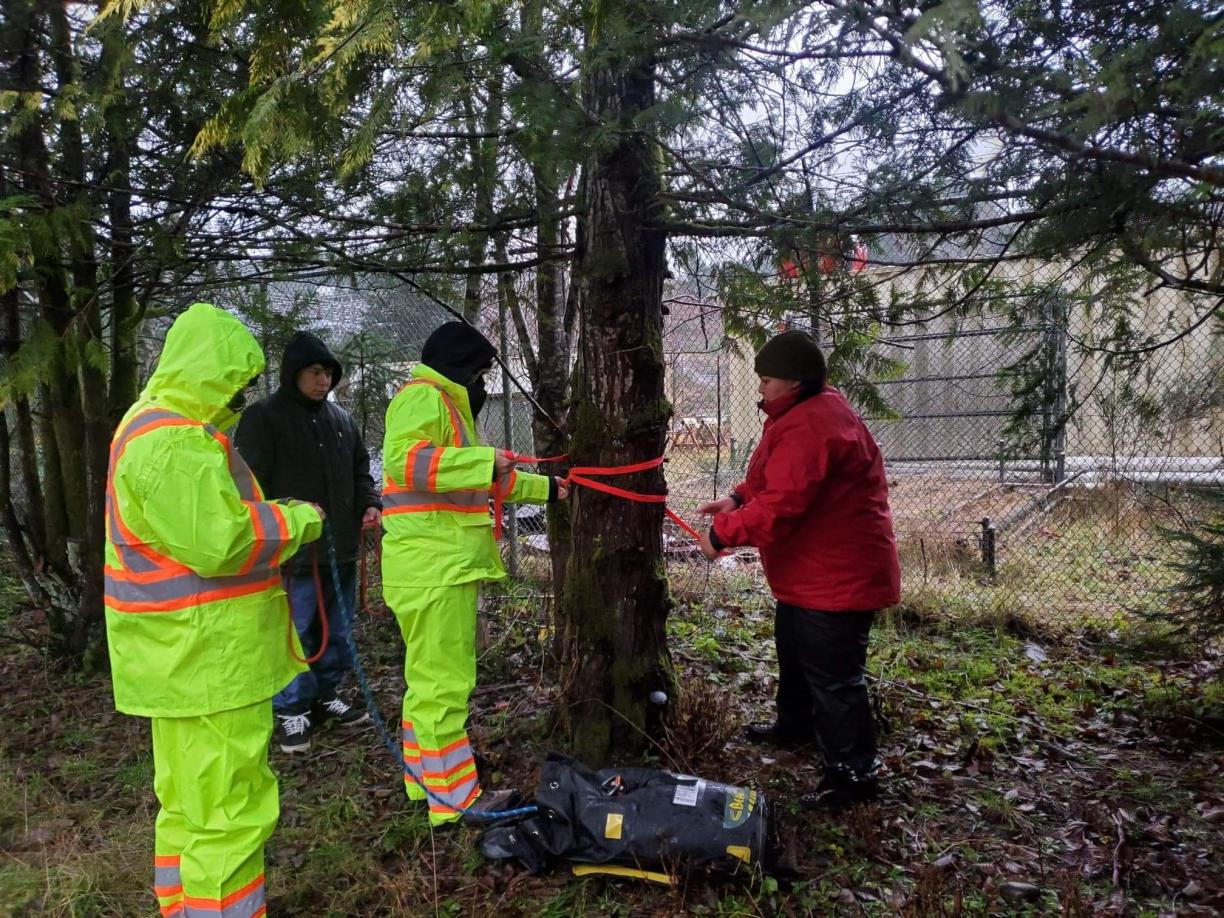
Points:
[815,503]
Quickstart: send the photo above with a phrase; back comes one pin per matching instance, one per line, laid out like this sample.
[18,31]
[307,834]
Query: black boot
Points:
[842,787]
[768,734]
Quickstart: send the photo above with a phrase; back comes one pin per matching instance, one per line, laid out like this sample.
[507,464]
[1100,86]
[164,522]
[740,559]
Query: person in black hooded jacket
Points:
[302,446]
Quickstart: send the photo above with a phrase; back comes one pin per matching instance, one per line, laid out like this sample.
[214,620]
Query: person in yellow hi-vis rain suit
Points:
[437,549]
[196,616]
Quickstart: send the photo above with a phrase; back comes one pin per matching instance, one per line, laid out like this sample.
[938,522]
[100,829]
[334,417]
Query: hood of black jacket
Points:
[302,350]
[458,351]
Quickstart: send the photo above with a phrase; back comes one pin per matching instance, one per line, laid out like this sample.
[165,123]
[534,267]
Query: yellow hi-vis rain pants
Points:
[439,629]
[218,807]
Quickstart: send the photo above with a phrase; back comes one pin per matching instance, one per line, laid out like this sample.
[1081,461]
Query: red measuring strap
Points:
[532,460]
[322,613]
[637,497]
[579,475]
[499,496]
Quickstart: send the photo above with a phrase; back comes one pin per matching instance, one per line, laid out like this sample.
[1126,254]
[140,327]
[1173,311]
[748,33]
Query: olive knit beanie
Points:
[791,355]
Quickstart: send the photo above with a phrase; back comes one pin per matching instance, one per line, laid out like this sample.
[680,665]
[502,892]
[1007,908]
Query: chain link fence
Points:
[1033,473]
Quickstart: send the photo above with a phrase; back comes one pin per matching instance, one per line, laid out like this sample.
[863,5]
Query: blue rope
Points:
[396,750]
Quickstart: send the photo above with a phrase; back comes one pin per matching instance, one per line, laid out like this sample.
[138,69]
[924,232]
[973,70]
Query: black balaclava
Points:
[461,354]
[302,350]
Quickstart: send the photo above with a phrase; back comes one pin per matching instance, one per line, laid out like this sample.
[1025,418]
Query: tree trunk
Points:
[31,150]
[615,600]
[550,363]
[553,362]
[86,433]
[11,526]
[124,312]
[483,153]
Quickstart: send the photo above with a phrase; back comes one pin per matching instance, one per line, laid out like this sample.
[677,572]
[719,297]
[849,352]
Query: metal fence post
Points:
[989,557]
[1060,393]
[1002,469]
[512,559]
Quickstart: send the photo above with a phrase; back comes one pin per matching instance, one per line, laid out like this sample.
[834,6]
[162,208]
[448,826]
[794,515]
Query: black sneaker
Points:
[343,713]
[839,789]
[768,734]
[292,732]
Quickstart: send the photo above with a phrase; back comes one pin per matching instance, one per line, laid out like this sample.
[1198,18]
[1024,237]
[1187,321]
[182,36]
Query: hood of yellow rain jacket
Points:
[208,358]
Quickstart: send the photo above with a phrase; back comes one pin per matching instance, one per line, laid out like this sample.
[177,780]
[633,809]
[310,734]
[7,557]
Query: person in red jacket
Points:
[815,503]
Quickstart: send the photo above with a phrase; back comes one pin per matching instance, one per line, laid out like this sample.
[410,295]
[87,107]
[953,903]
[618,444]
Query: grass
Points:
[1012,756]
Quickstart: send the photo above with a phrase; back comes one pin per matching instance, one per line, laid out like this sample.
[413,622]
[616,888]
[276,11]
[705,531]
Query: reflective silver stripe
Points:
[422,458]
[453,799]
[143,420]
[455,416]
[450,407]
[177,587]
[248,906]
[456,499]
[238,469]
[412,751]
[129,557]
[438,765]
[167,880]
[267,549]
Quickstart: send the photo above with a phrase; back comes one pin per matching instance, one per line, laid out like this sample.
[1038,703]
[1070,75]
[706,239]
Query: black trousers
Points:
[822,683]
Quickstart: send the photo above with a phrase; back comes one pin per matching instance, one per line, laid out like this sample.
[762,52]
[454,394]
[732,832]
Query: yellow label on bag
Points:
[612,828]
[741,852]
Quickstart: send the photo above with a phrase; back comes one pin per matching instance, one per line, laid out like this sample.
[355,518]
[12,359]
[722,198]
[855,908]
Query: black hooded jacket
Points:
[308,450]
[460,353]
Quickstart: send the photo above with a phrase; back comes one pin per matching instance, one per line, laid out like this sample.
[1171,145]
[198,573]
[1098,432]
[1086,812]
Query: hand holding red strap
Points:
[584,475]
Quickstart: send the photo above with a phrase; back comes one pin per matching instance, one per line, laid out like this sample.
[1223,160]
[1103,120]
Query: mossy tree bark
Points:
[615,599]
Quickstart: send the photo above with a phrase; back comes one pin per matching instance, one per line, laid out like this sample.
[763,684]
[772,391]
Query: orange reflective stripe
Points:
[144,422]
[243,477]
[443,786]
[123,593]
[435,807]
[450,775]
[460,436]
[260,538]
[410,473]
[411,748]
[167,881]
[431,508]
[247,902]
[434,460]
[282,532]
[271,533]
[450,747]
[146,580]
[456,422]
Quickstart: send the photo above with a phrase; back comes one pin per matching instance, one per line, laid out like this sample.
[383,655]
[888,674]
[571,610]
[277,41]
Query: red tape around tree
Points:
[583,475]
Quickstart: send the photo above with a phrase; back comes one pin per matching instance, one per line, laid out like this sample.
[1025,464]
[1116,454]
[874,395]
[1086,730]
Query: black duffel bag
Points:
[637,817]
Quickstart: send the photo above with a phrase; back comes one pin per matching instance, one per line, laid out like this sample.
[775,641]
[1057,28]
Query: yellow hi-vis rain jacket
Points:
[437,481]
[196,616]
